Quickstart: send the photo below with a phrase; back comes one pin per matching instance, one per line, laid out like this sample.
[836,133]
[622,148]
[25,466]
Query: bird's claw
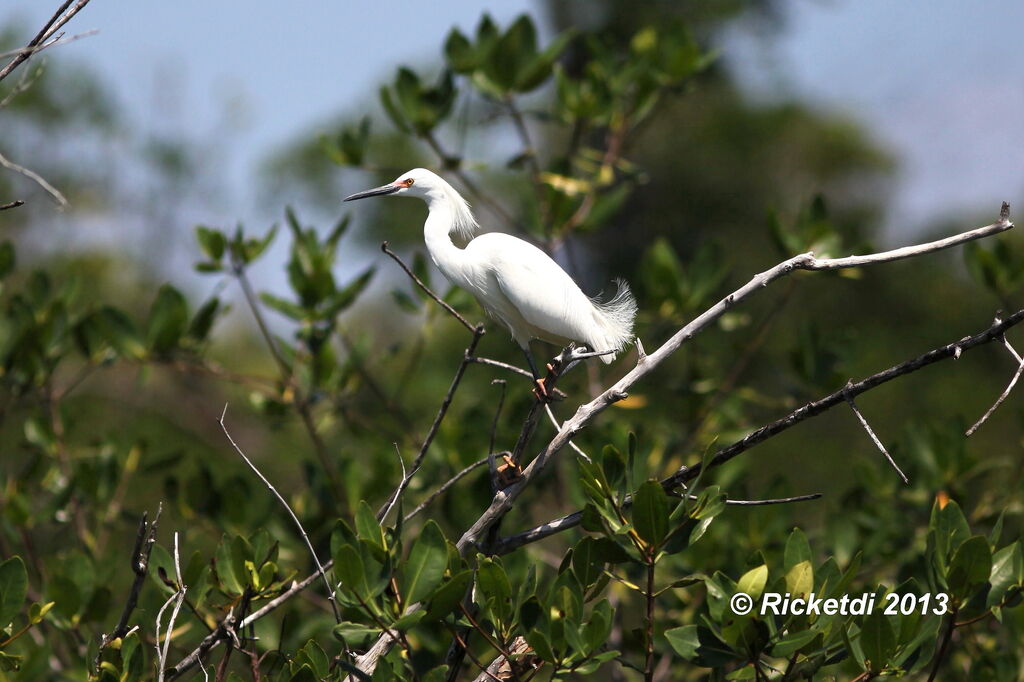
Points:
[541,391]
[508,473]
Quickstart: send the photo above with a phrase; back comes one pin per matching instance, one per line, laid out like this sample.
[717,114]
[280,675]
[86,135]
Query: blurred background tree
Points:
[622,142]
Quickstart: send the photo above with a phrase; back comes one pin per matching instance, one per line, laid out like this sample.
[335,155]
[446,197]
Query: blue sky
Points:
[939,82]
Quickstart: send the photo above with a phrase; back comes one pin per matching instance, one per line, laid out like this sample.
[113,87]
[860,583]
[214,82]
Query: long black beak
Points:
[375,192]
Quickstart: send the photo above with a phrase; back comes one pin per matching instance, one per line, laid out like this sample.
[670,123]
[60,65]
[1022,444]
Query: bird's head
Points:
[418,182]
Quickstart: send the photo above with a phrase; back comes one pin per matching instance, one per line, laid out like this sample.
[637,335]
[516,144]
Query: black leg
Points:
[533,366]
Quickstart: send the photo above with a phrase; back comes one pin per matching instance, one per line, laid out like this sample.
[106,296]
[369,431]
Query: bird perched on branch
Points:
[514,281]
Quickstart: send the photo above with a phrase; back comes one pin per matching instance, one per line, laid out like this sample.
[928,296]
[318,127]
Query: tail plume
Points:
[614,321]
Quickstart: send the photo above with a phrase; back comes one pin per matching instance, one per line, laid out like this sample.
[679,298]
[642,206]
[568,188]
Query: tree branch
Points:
[478,331]
[302,531]
[144,539]
[811,409]
[425,288]
[62,16]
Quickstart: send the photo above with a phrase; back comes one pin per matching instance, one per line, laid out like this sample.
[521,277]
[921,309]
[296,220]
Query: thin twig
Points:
[35,177]
[512,368]
[144,539]
[1006,393]
[178,597]
[13,204]
[280,498]
[425,288]
[554,421]
[395,498]
[871,434]
[59,40]
[478,331]
[49,28]
[444,488]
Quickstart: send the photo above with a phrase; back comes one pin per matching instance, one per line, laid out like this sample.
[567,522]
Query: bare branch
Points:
[144,539]
[62,16]
[13,204]
[178,597]
[444,488]
[501,668]
[798,415]
[35,177]
[1005,393]
[298,524]
[871,434]
[427,290]
[512,368]
[23,84]
[478,331]
[58,40]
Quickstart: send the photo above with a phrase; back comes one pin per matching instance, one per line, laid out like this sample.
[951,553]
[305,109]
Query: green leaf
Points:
[348,569]
[287,308]
[448,596]
[650,513]
[13,588]
[797,549]
[367,526]
[202,321]
[493,585]
[120,332]
[753,581]
[699,645]
[212,242]
[168,320]
[459,52]
[877,640]
[970,566]
[426,564]
[347,296]
[354,634]
[1006,569]
[792,642]
[587,564]
[800,579]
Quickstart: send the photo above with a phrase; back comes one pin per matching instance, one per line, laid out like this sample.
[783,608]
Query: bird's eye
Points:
[408,182]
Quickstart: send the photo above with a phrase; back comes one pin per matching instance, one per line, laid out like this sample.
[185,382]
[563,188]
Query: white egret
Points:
[513,280]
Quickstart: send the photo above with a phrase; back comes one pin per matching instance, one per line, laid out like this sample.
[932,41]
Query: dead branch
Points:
[144,539]
[807,411]
[36,178]
[62,16]
[178,597]
[1005,393]
[871,434]
[287,507]
[451,311]
[478,331]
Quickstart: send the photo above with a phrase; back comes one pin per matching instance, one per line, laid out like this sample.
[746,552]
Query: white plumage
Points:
[514,281]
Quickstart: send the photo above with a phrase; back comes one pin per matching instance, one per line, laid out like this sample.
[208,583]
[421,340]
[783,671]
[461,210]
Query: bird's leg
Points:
[540,388]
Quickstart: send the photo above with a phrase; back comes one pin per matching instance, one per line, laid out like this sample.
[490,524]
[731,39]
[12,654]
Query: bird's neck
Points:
[449,259]
[449,213]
